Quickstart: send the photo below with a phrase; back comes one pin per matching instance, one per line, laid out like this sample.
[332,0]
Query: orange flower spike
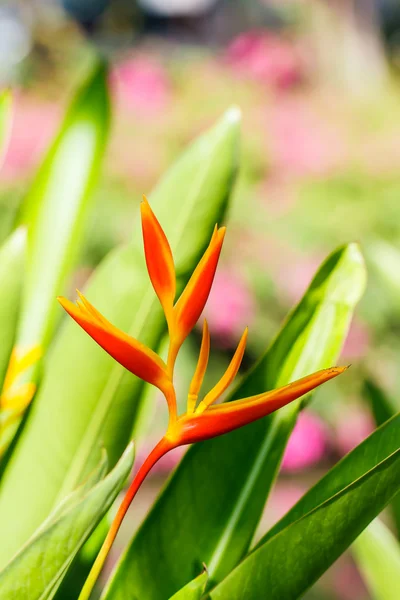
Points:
[201,367]
[227,378]
[193,298]
[129,352]
[223,418]
[159,260]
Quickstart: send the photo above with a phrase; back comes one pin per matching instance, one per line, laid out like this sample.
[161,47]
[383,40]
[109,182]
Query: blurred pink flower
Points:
[296,275]
[229,307]
[356,344]
[301,143]
[307,444]
[140,84]
[33,126]
[352,427]
[267,57]
[166,464]
[283,497]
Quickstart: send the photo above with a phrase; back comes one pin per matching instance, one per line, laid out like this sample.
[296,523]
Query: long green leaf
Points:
[375,449]
[12,267]
[192,590]
[86,399]
[377,554]
[55,210]
[56,206]
[383,408]
[290,562]
[223,483]
[38,569]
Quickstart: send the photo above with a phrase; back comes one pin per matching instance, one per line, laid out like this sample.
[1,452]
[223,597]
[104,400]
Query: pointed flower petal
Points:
[201,367]
[193,298]
[224,418]
[130,353]
[227,378]
[159,260]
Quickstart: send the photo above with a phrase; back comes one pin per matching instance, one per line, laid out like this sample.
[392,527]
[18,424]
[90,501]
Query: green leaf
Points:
[377,554]
[12,265]
[366,456]
[86,399]
[223,483]
[383,408]
[5,120]
[38,569]
[193,590]
[56,206]
[288,563]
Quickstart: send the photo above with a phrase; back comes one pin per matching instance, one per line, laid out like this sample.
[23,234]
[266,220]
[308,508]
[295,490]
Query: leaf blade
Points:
[317,539]
[377,555]
[57,542]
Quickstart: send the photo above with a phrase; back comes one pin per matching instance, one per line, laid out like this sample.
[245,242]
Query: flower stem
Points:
[163,446]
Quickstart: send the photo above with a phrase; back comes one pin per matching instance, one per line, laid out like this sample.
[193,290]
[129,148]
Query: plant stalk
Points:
[163,446]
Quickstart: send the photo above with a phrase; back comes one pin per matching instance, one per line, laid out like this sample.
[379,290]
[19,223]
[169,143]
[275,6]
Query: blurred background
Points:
[318,83]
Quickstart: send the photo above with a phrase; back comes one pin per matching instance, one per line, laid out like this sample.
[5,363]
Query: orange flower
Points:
[159,260]
[203,420]
[129,352]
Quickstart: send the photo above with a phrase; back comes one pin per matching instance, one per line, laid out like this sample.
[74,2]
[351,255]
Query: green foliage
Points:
[322,525]
[60,537]
[56,206]
[221,513]
[377,554]
[12,263]
[87,400]
[193,590]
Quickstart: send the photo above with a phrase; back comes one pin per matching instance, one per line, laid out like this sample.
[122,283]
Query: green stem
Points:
[163,446]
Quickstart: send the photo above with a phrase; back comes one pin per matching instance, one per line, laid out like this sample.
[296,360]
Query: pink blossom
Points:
[267,57]
[33,125]
[307,444]
[357,341]
[140,84]
[284,496]
[230,306]
[352,427]
[302,143]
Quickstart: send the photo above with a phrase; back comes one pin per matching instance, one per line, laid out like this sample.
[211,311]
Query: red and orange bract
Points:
[202,420]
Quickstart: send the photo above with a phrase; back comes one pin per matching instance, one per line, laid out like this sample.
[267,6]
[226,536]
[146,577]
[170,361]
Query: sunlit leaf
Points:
[322,525]
[192,590]
[37,570]
[377,554]
[12,263]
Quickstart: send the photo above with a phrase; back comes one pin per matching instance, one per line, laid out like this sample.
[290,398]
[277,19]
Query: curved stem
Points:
[163,446]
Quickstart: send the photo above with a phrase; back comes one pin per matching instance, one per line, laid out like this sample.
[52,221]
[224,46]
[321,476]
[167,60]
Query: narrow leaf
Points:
[57,542]
[223,483]
[290,562]
[56,206]
[377,554]
[383,407]
[193,590]
[12,263]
